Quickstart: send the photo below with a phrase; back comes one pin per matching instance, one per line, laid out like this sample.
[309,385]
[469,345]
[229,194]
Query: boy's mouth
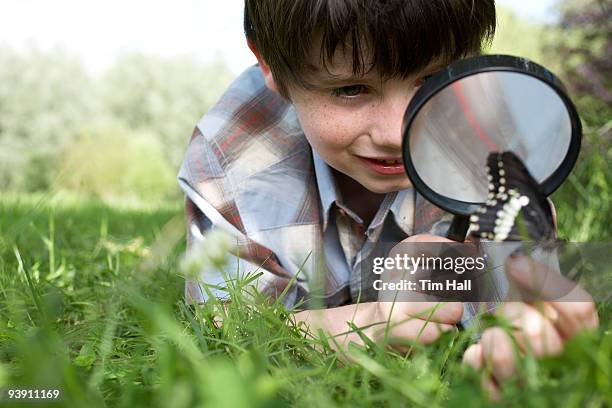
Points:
[384,165]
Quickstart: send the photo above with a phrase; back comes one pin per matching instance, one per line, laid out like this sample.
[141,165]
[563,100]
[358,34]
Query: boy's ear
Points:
[265,69]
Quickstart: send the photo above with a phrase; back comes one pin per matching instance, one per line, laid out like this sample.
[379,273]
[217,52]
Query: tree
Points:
[44,98]
[164,97]
[583,46]
[112,162]
[517,36]
[48,104]
[585,51]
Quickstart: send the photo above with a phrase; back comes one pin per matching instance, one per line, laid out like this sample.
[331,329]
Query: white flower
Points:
[207,255]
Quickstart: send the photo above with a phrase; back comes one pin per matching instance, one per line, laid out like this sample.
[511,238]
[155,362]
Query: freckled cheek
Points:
[331,130]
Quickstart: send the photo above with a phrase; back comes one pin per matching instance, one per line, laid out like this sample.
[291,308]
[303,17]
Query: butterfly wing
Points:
[516,208]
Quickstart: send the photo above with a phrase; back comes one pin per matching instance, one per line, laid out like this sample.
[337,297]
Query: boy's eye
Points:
[350,91]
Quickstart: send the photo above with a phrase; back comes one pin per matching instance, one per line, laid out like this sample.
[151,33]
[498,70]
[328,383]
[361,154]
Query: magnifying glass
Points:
[480,105]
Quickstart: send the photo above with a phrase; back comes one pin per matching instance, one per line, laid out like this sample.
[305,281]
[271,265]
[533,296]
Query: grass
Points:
[583,201]
[91,303]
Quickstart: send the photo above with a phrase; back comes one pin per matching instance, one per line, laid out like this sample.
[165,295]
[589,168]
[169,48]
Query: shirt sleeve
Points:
[200,218]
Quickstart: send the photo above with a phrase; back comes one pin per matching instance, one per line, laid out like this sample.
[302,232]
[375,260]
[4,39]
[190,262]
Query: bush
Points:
[44,98]
[112,162]
[584,52]
[163,96]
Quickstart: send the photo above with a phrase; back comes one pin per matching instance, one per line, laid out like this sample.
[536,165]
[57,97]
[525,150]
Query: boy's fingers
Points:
[447,312]
[541,282]
[413,329]
[499,353]
[490,387]
[574,306]
[574,317]
[427,238]
[534,332]
[473,356]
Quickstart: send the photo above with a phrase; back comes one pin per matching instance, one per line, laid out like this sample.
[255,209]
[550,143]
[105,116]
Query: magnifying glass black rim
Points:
[472,66]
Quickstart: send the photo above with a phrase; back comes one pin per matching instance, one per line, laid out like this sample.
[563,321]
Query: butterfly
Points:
[516,208]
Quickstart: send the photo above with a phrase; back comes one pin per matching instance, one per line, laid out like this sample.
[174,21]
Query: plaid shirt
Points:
[250,171]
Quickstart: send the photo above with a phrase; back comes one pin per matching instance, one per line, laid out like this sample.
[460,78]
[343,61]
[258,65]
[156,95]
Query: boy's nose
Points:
[387,120]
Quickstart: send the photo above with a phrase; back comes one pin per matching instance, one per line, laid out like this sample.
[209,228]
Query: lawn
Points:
[91,304]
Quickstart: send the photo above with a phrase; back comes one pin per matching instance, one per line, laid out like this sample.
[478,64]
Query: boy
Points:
[301,161]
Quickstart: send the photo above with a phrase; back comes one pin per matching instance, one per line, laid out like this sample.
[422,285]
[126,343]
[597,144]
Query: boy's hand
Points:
[395,324]
[398,323]
[540,328]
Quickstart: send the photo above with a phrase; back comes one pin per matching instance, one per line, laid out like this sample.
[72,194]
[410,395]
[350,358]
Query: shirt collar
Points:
[403,210]
[400,204]
[328,192]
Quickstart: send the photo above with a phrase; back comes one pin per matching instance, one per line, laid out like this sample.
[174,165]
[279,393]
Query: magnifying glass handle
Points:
[458,228]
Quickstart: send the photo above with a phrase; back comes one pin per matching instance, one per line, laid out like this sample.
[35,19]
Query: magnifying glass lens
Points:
[496,111]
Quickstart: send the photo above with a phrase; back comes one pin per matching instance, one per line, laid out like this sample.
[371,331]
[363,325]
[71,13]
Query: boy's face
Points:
[355,123]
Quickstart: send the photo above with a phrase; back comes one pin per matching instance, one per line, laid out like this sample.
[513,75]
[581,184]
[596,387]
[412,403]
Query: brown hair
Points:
[400,37]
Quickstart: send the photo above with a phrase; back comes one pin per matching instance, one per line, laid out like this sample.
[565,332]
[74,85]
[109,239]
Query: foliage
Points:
[90,294]
[586,48]
[48,103]
[110,161]
[44,99]
[583,47]
[583,201]
[90,303]
[511,37]
[163,96]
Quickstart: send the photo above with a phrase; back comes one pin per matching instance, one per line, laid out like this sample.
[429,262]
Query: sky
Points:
[97,31]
